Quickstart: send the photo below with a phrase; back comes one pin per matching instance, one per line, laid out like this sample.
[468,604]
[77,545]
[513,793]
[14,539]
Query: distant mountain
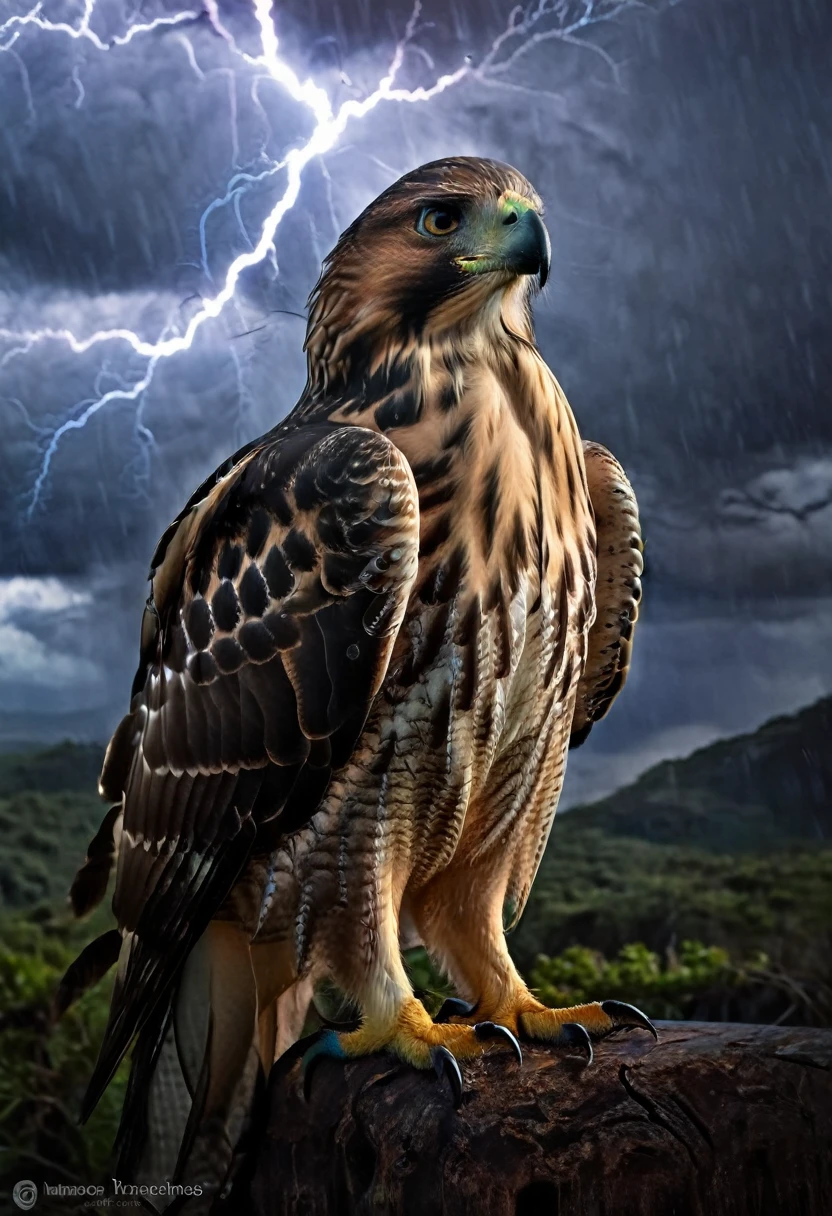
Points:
[731,846]
[740,794]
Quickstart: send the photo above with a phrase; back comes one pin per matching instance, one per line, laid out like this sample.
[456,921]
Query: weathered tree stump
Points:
[714,1119]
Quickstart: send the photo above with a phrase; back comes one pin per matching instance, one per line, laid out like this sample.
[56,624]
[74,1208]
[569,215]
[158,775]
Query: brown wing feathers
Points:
[270,637]
[90,883]
[617,589]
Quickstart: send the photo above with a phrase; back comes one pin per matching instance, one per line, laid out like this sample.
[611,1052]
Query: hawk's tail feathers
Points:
[155,952]
[91,965]
[195,1071]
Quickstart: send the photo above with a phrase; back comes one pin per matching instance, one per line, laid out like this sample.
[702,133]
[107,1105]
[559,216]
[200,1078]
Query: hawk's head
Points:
[442,249]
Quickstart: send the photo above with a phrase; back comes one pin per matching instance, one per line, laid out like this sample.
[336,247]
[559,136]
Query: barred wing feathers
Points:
[276,600]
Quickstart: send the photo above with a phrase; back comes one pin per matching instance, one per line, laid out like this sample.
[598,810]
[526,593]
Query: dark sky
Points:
[684,155]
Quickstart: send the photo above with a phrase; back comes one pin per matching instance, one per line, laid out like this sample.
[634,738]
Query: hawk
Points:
[371,636]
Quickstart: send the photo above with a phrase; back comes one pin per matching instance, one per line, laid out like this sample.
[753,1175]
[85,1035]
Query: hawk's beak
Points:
[526,245]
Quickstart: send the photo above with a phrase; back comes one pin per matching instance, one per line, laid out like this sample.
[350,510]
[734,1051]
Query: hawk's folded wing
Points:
[617,589]
[276,599]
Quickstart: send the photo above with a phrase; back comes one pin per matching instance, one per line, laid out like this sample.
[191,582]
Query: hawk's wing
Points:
[276,599]
[617,589]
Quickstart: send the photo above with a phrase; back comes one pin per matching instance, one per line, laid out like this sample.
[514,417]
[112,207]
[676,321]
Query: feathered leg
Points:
[393,1019]
[472,948]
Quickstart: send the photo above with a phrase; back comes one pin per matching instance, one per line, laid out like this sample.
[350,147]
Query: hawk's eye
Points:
[438,221]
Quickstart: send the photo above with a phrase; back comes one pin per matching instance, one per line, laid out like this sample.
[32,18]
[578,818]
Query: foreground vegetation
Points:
[44,1066]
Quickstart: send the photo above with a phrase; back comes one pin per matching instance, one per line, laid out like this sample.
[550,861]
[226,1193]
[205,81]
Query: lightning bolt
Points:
[14,26]
[547,19]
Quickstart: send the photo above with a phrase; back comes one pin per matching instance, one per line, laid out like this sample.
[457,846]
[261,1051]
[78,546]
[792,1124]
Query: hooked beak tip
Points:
[531,251]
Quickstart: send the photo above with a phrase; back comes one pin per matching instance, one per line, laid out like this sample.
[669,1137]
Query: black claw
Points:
[578,1035]
[627,1017]
[493,1030]
[445,1065]
[453,1007]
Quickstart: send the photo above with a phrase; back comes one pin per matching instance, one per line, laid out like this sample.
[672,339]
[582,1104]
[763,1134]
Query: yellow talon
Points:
[412,1036]
[597,1018]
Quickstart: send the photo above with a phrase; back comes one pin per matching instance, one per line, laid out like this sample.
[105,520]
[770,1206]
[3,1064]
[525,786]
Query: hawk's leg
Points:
[394,1020]
[459,915]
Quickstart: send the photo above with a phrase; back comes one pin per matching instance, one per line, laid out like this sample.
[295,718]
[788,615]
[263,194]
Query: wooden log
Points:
[714,1120]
